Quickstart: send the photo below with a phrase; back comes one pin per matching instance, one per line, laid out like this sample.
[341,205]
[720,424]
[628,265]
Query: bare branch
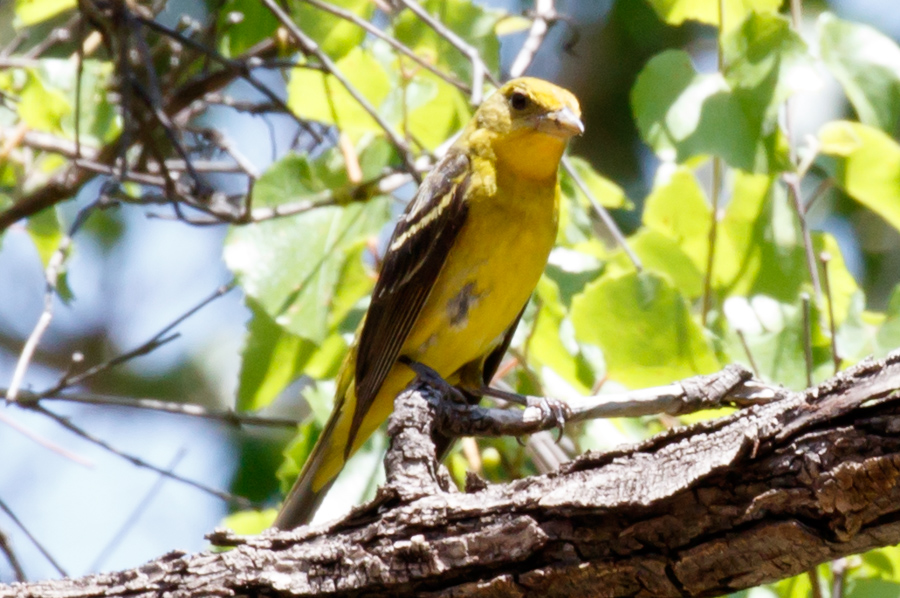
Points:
[391,41]
[51,276]
[30,536]
[309,46]
[700,511]
[227,416]
[480,71]
[607,220]
[544,15]
[237,501]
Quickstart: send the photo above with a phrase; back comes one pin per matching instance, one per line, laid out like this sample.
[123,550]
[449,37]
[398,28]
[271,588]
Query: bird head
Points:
[527,123]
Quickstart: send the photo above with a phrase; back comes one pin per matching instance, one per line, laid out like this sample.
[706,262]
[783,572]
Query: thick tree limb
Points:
[700,511]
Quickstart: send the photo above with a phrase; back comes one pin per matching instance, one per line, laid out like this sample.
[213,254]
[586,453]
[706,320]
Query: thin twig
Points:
[807,337]
[480,71]
[603,214]
[34,540]
[713,234]
[743,339]
[793,185]
[228,416]
[825,259]
[391,41]
[232,499]
[136,513]
[51,276]
[11,557]
[814,583]
[309,46]
[239,67]
[839,570]
[544,15]
[794,179]
[160,338]
[40,440]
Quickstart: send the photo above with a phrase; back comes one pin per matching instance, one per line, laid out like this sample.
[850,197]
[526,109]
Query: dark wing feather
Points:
[416,253]
[492,362]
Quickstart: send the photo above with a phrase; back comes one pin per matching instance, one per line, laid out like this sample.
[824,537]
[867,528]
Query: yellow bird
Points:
[458,271]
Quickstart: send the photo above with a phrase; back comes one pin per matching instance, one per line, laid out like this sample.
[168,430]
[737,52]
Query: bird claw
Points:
[552,410]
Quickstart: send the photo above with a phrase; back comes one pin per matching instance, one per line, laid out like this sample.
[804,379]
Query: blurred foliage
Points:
[595,321]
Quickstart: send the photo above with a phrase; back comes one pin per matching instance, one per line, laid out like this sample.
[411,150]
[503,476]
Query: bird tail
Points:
[304,499]
[326,459]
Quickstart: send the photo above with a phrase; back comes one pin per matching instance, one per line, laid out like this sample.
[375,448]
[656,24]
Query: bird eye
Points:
[518,101]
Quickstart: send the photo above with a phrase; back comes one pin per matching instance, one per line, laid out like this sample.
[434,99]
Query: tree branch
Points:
[705,510]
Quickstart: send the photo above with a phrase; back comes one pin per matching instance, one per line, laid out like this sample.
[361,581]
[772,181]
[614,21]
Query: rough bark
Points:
[700,511]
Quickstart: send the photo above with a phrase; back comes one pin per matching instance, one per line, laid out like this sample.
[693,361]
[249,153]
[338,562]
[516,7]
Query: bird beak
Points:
[563,123]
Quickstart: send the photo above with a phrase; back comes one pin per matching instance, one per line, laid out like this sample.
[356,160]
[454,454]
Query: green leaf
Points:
[45,233]
[645,329]
[296,454]
[766,61]
[243,24]
[682,113]
[677,208]
[676,12]
[300,268]
[866,164]
[318,96]
[888,336]
[871,588]
[426,106]
[336,36]
[271,359]
[774,334]
[663,256]
[42,106]
[31,12]
[251,522]
[474,24]
[867,65]
[606,192]
[548,347]
[744,232]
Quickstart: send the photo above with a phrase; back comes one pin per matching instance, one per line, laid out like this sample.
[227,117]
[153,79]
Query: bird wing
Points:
[414,258]
[492,362]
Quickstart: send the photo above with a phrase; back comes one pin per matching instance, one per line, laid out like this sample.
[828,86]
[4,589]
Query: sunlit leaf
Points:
[866,164]
[888,337]
[675,12]
[677,208]
[645,329]
[42,106]
[664,256]
[293,266]
[429,108]
[867,65]
[271,359]
[30,12]
[336,36]
[476,25]
[45,232]
[243,24]
[296,454]
[547,347]
[775,333]
[607,193]
[251,522]
[682,113]
[321,97]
